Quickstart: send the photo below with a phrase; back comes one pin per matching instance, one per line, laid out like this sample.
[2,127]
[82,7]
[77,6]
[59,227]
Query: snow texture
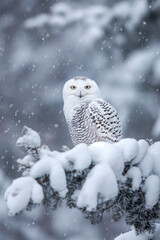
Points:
[55,165]
[132,236]
[93,19]
[30,138]
[100,180]
[79,157]
[146,236]
[135,174]
[146,165]
[129,147]
[154,151]
[108,162]
[142,150]
[151,187]
[25,164]
[110,154]
[50,166]
[21,191]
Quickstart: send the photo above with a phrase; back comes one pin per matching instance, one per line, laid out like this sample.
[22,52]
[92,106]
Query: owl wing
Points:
[105,120]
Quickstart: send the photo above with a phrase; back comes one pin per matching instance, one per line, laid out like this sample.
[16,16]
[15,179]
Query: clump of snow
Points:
[135,174]
[146,165]
[27,160]
[59,17]
[22,190]
[152,189]
[122,9]
[29,138]
[150,162]
[129,147]
[50,166]
[96,15]
[61,9]
[79,156]
[133,11]
[39,20]
[133,236]
[75,195]
[155,151]
[142,151]
[25,164]
[58,180]
[103,152]
[101,180]
[134,64]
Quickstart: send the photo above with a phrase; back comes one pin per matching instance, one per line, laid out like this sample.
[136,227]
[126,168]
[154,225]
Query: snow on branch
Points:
[122,177]
[63,14]
[131,235]
[93,20]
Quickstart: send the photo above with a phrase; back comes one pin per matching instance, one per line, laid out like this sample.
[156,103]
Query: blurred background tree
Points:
[43,44]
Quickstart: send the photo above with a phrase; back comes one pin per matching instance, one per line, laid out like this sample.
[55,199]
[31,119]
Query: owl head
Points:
[80,89]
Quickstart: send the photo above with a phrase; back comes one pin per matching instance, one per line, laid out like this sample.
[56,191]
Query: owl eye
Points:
[87,87]
[73,87]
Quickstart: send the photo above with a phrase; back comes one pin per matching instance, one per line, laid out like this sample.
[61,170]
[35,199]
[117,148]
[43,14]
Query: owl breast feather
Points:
[94,121]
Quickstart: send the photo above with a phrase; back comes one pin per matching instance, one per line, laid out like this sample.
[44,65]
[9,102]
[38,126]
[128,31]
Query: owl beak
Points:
[80,95]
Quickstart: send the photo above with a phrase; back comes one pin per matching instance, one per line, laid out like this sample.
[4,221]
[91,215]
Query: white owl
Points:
[89,118]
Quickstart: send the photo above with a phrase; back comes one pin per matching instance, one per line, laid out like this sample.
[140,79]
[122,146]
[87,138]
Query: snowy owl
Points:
[89,118]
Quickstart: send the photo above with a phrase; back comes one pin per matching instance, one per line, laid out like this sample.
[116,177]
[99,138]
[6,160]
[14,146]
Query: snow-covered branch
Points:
[122,177]
[94,20]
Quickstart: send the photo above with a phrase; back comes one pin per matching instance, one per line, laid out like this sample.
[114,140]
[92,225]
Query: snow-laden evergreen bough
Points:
[122,177]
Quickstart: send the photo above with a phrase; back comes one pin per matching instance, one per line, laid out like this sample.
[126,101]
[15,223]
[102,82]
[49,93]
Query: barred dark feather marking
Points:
[95,121]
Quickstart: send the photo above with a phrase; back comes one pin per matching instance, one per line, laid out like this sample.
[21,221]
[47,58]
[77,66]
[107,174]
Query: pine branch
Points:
[101,177]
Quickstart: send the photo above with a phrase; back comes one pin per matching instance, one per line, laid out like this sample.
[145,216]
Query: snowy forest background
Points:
[43,44]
